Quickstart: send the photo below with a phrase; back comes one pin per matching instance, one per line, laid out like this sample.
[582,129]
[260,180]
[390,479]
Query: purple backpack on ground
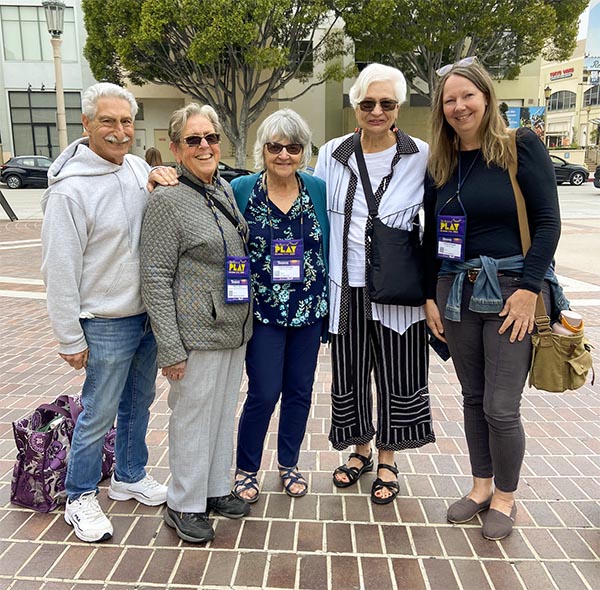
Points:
[43,442]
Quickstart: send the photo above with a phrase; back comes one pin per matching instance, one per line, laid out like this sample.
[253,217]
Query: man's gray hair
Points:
[283,125]
[377,73]
[89,99]
[180,117]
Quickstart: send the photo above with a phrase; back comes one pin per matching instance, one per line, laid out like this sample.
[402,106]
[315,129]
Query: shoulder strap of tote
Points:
[364,176]
[542,321]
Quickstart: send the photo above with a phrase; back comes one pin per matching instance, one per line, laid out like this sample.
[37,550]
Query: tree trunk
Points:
[240,148]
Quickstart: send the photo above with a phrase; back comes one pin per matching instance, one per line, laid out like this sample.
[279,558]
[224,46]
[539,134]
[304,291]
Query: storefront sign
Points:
[559,74]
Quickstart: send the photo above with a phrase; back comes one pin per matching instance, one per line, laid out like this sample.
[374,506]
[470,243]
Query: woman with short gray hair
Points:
[287,217]
[196,291]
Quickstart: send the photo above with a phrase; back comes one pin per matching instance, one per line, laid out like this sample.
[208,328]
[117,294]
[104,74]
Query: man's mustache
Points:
[114,139]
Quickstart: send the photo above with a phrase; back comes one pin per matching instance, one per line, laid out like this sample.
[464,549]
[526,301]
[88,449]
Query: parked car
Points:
[565,172]
[228,173]
[23,171]
[597,177]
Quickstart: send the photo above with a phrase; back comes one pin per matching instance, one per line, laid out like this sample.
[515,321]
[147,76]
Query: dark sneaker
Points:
[192,527]
[228,506]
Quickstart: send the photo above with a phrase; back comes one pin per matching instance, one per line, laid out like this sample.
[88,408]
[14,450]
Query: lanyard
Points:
[231,216]
[264,184]
[461,182]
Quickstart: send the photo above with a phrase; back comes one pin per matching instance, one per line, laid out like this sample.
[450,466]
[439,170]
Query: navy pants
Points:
[280,362]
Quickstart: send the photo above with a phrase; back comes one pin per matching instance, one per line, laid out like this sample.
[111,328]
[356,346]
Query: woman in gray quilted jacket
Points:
[196,287]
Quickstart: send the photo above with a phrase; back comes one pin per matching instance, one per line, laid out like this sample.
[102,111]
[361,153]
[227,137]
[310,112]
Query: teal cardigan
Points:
[242,188]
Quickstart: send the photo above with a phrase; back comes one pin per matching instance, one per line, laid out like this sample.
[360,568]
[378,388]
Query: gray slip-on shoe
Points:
[465,509]
[497,525]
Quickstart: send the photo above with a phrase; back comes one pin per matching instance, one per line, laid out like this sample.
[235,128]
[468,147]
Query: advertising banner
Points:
[532,117]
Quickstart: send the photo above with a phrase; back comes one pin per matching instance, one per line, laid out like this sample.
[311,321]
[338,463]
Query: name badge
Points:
[451,232]
[287,261]
[237,279]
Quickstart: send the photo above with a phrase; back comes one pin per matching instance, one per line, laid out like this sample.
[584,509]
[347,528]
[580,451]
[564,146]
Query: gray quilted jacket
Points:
[183,272]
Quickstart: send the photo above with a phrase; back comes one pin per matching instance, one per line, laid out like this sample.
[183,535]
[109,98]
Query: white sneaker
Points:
[87,518]
[147,491]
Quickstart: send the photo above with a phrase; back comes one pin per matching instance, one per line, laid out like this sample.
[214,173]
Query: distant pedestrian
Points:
[153,157]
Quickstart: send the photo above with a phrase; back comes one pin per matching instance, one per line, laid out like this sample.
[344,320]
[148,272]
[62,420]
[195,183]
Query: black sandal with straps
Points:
[353,473]
[379,485]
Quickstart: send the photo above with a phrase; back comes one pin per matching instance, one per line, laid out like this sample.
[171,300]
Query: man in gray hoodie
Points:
[93,212]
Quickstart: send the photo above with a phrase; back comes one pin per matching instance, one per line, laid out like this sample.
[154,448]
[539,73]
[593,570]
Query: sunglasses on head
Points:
[196,140]
[293,149]
[467,61]
[386,105]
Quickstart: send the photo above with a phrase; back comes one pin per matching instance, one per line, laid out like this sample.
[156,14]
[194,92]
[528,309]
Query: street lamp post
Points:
[547,94]
[55,11]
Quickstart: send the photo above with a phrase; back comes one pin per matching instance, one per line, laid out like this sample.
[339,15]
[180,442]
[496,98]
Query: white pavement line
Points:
[16,247]
[17,242]
[574,286]
[583,302]
[19,281]
[22,294]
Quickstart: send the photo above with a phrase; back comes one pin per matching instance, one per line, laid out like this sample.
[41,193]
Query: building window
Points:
[33,116]
[297,51]
[591,97]
[564,100]
[26,38]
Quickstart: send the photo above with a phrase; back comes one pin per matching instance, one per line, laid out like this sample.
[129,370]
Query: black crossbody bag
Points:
[395,270]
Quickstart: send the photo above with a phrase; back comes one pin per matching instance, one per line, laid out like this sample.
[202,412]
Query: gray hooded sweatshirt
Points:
[93,212]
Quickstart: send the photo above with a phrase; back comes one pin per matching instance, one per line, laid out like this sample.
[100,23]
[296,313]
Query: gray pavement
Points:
[331,539]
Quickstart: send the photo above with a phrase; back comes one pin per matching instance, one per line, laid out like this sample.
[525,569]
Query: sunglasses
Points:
[467,61]
[293,149]
[386,105]
[196,140]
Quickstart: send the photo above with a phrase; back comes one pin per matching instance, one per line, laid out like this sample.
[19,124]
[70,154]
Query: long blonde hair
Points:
[443,155]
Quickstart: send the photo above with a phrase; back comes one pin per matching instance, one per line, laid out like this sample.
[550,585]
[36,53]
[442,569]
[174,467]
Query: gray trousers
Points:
[492,372]
[203,407]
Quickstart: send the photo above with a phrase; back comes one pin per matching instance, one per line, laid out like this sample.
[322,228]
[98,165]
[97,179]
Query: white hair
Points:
[284,124]
[377,73]
[89,99]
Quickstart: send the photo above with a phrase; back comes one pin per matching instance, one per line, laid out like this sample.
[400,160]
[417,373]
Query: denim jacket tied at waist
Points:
[487,295]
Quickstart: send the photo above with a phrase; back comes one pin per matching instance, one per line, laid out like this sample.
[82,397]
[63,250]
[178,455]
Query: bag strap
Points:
[64,405]
[220,206]
[364,176]
[542,320]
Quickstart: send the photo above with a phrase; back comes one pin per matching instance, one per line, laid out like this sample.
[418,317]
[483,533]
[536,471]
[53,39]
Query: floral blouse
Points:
[286,304]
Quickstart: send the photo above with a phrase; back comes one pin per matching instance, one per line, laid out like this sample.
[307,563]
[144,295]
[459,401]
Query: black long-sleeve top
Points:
[492,222]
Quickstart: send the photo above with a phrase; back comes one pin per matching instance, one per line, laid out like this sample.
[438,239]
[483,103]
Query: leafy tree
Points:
[235,55]
[420,36]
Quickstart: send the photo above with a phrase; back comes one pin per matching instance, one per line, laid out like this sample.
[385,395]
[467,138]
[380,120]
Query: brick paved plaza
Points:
[331,539]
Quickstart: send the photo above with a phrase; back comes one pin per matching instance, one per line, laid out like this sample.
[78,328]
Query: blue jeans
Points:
[120,383]
[280,362]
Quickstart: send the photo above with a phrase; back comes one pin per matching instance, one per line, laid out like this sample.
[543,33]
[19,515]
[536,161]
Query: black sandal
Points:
[379,484]
[290,476]
[248,482]
[353,473]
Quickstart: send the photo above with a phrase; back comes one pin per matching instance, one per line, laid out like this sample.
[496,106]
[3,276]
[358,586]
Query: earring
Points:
[178,169]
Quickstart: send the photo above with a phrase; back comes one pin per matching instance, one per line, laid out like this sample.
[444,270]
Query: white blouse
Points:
[399,204]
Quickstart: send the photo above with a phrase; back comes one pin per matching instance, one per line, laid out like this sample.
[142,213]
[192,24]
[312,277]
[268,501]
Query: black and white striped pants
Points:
[399,364]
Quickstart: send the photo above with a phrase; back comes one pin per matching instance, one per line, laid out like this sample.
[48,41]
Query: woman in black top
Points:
[473,245]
